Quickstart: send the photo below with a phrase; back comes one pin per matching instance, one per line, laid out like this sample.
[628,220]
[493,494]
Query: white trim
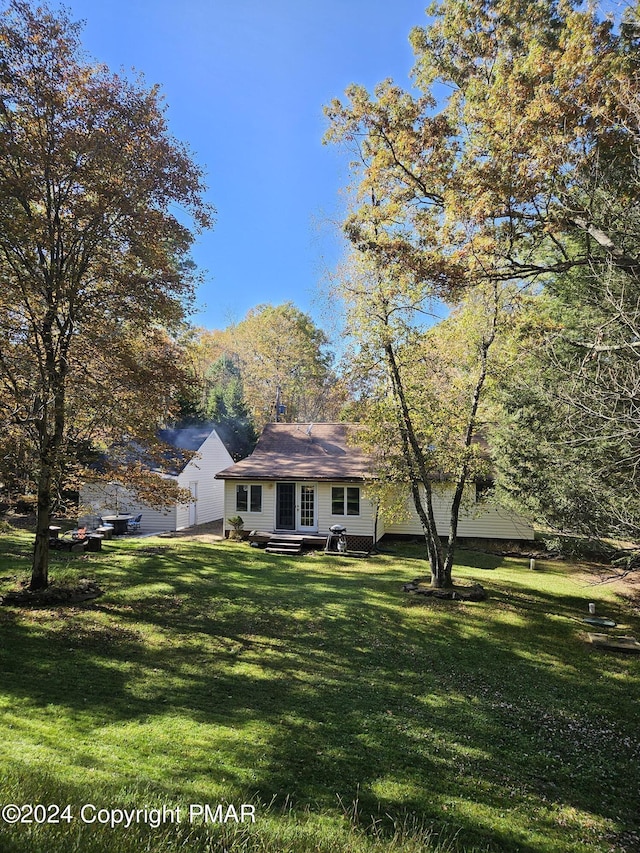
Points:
[299,526]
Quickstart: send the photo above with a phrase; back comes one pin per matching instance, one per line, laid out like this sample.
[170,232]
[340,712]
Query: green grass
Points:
[354,717]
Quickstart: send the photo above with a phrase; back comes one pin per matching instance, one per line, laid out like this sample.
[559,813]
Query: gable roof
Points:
[179,445]
[187,437]
[303,452]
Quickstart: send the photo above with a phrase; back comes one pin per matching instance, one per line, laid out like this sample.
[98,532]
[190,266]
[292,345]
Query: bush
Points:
[237,522]
[577,548]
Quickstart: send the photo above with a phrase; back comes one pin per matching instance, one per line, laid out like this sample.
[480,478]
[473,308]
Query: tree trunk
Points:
[51,424]
[40,566]
[434,546]
[419,474]
[453,529]
[468,440]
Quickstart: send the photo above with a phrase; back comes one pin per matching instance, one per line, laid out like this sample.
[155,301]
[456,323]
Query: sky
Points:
[245,82]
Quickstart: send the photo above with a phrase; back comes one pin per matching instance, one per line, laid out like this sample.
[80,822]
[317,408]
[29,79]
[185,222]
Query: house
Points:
[304,478]
[197,474]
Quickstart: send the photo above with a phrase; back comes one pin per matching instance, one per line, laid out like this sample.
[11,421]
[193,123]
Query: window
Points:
[242,498]
[345,500]
[255,504]
[353,500]
[249,498]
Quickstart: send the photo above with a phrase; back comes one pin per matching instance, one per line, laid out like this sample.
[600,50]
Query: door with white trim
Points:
[193,506]
[285,506]
[307,507]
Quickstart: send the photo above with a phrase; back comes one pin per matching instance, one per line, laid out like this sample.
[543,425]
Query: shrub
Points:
[237,522]
[577,548]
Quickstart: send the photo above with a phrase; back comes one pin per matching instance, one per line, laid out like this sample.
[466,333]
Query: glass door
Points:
[285,506]
[307,505]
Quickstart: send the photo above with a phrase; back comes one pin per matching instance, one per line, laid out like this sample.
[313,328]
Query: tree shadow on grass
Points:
[317,681]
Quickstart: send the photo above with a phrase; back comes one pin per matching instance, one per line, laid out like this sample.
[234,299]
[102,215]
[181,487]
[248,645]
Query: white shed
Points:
[197,475]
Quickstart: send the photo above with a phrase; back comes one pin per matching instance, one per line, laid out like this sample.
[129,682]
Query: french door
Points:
[285,506]
[296,506]
[307,507]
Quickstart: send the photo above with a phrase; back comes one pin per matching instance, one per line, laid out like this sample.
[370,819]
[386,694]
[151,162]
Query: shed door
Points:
[285,506]
[193,506]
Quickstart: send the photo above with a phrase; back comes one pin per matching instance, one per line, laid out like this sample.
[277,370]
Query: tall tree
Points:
[495,180]
[423,386]
[569,441]
[566,432]
[92,259]
[285,365]
[227,407]
[201,348]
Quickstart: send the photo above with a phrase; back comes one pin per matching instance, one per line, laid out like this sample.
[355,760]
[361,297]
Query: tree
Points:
[201,349]
[540,119]
[566,434]
[227,407]
[215,390]
[94,264]
[493,183]
[285,366]
[422,387]
[568,445]
[506,169]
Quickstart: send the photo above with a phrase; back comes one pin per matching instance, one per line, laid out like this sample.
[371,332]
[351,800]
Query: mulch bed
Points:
[83,590]
[474,592]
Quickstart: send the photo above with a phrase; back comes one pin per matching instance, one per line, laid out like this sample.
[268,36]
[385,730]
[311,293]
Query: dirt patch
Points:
[472,592]
[53,595]
[212,531]
[624,581]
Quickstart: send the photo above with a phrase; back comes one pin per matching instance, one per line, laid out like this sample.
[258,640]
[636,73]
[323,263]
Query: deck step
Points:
[291,551]
[284,545]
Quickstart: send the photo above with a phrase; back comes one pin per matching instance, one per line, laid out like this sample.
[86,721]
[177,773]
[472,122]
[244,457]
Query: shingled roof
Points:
[303,452]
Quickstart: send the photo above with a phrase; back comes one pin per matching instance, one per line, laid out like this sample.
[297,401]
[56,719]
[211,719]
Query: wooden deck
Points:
[287,543]
[296,543]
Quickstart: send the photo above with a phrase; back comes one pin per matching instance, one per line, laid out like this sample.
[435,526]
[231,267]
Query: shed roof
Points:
[187,437]
[303,452]
[186,441]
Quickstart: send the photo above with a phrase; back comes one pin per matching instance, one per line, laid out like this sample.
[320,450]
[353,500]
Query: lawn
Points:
[349,715]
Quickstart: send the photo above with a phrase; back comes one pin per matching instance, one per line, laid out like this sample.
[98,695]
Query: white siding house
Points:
[197,475]
[304,478]
[477,519]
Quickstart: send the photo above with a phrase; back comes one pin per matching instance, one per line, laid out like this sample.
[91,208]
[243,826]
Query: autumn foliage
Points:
[94,262]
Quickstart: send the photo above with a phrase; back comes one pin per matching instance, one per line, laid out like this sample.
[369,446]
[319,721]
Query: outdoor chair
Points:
[133,525]
[105,528]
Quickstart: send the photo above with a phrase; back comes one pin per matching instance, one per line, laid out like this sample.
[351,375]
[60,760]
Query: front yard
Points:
[351,716]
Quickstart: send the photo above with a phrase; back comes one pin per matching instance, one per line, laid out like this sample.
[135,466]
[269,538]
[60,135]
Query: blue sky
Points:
[245,82]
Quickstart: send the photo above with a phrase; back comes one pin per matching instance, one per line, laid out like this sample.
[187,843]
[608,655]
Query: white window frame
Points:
[345,503]
[250,497]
